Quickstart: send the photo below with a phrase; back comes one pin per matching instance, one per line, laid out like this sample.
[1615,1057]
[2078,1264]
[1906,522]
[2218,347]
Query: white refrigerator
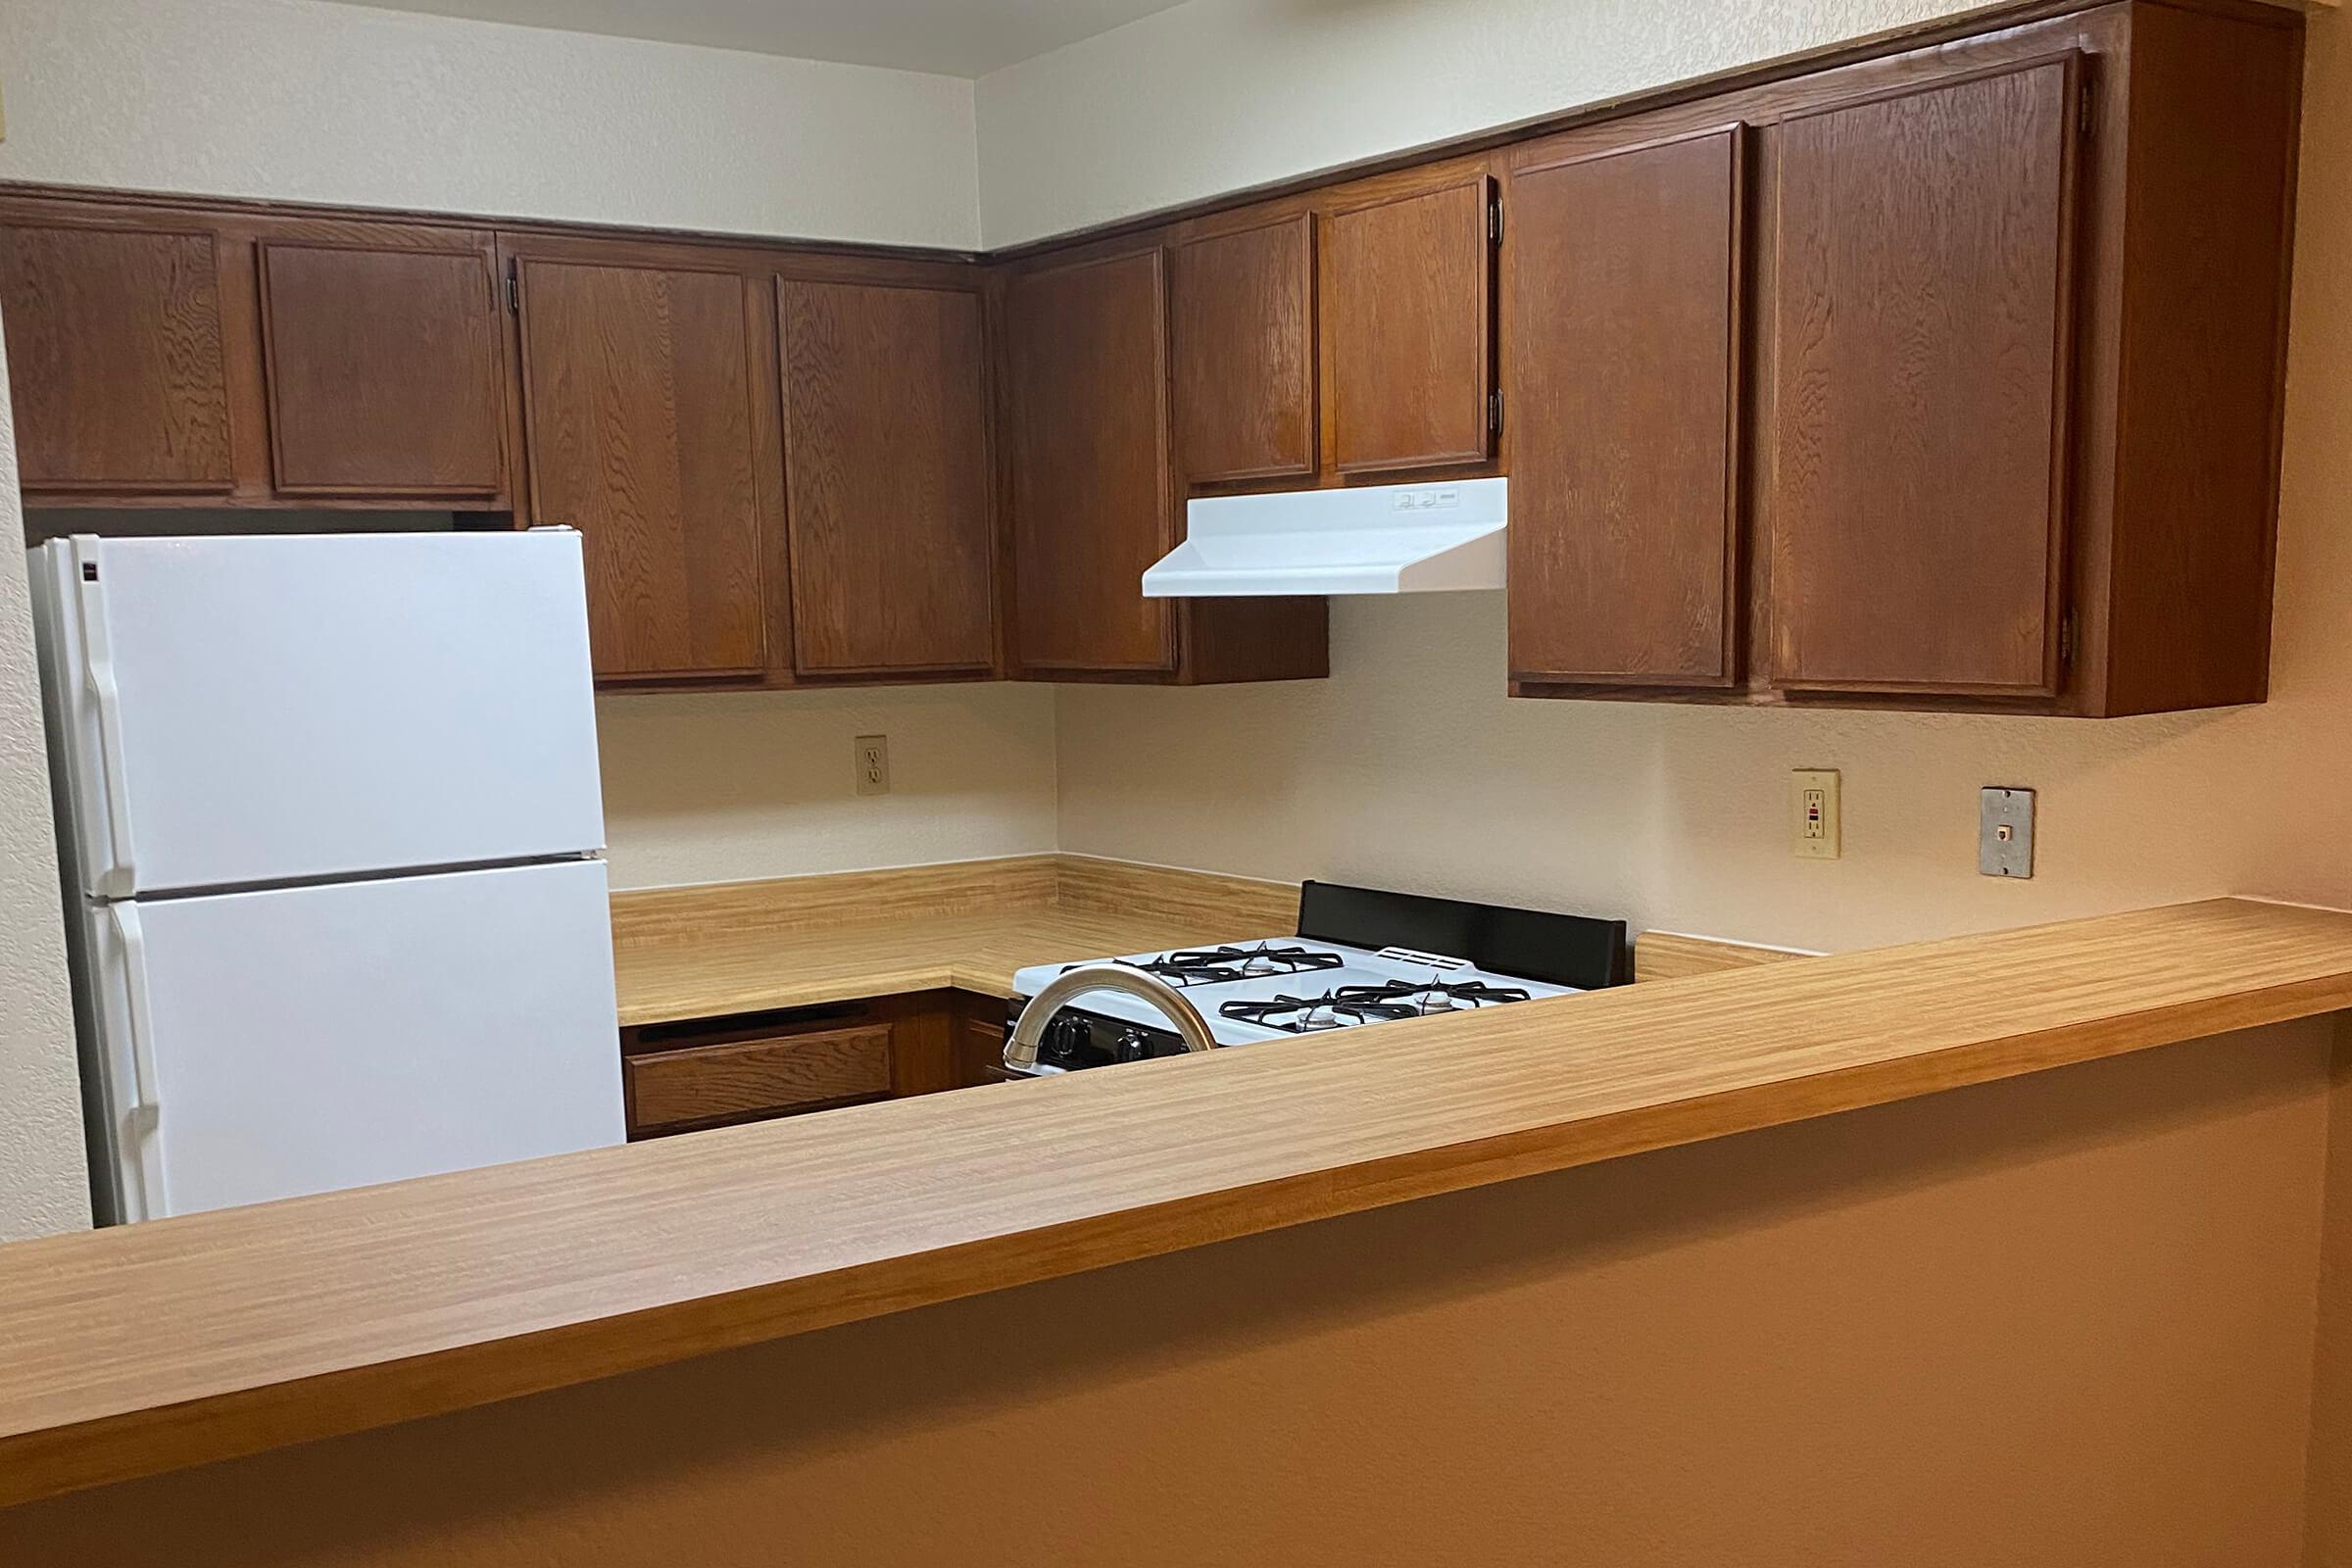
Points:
[333,840]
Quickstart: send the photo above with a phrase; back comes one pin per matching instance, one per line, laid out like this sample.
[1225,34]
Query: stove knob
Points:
[1132,1046]
[1060,1043]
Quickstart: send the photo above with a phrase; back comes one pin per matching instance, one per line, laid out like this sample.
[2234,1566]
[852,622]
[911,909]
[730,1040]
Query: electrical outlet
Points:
[2005,832]
[872,756]
[1814,824]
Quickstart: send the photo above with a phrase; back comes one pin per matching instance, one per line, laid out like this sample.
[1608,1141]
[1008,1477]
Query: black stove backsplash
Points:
[1562,950]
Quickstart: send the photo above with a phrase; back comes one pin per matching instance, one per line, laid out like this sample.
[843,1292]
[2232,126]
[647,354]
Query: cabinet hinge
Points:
[514,290]
[2066,640]
[1494,412]
[2086,115]
[1494,219]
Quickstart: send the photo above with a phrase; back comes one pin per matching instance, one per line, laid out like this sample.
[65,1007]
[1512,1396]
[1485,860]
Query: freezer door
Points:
[263,1045]
[249,709]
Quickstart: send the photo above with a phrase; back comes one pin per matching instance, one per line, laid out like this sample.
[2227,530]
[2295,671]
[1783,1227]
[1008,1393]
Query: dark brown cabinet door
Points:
[1624,279]
[1409,320]
[1918,433]
[636,394]
[115,359]
[977,1041]
[1088,463]
[886,478]
[385,372]
[1242,317]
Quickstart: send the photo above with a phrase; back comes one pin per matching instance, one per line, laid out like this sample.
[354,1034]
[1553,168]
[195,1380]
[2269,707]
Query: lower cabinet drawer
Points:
[753,1077]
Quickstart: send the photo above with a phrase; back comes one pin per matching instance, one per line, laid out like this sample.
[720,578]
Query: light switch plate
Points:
[1814,820]
[2005,832]
[872,759]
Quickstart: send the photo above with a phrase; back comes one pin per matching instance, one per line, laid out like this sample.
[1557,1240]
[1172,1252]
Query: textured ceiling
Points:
[954,37]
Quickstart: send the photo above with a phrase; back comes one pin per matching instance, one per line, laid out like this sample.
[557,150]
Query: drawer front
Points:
[749,1077]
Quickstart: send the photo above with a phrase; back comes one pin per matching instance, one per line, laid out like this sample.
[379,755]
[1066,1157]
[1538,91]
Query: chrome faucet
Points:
[1020,1051]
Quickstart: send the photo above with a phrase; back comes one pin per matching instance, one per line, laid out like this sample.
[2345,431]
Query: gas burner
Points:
[1441,995]
[1201,966]
[1302,1016]
[1349,1005]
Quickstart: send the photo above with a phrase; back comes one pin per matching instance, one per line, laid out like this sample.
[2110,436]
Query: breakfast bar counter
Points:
[190,1339]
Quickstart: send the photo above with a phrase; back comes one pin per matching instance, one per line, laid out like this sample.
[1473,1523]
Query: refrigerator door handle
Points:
[98,665]
[143,1118]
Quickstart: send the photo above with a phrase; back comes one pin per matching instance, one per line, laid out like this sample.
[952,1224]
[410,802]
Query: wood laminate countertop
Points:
[181,1340]
[748,947]
[751,969]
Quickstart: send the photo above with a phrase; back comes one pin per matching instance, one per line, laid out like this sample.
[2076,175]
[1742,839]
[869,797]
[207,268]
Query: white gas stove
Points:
[1329,978]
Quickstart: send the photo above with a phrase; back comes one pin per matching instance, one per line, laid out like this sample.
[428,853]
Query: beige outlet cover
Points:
[1815,830]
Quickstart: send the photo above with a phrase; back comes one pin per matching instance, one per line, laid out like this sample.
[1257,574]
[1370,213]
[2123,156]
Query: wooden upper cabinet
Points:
[385,371]
[1623,279]
[1242,319]
[1407,287]
[116,361]
[886,478]
[1924,282]
[1092,500]
[637,403]
[1945,376]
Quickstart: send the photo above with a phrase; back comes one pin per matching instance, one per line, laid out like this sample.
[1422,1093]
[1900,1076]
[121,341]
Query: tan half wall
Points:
[2330,1485]
[2062,1320]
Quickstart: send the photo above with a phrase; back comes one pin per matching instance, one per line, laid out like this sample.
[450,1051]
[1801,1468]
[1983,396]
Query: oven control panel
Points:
[1077,1039]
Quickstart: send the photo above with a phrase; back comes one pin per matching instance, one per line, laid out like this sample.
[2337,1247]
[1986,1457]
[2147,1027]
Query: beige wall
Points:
[2063,1322]
[1215,95]
[1410,767]
[44,1182]
[724,787]
[299,100]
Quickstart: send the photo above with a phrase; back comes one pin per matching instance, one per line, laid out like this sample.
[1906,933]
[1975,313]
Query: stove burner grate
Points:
[1349,1005]
[1203,966]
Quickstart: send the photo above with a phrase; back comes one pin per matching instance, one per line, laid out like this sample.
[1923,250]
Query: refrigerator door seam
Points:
[336,879]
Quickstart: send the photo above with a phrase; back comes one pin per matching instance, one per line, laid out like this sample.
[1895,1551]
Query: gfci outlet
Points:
[873,764]
[1813,796]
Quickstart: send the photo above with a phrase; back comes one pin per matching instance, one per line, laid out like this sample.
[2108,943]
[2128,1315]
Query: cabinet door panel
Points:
[1241,315]
[116,359]
[1922,339]
[1408,322]
[886,477]
[1623,279]
[978,1041]
[637,400]
[385,372]
[1091,505]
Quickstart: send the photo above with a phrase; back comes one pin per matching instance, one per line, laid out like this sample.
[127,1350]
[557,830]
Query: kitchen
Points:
[1406,767]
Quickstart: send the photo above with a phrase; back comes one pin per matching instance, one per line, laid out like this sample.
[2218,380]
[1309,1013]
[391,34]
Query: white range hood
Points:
[1369,539]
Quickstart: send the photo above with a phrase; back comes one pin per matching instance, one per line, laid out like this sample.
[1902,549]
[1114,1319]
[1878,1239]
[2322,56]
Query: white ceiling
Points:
[954,37]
